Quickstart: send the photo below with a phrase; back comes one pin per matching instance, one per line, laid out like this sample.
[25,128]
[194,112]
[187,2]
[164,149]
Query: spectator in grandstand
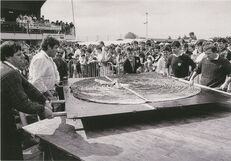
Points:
[156,53]
[186,49]
[135,44]
[132,63]
[141,55]
[69,56]
[149,64]
[99,54]
[92,56]
[161,63]
[213,69]
[191,48]
[61,65]
[69,50]
[19,20]
[119,60]
[77,50]
[142,46]
[63,73]
[222,48]
[43,73]
[74,68]
[34,18]
[192,37]
[178,63]
[88,54]
[108,55]
[2,20]
[105,61]
[148,47]
[72,28]
[16,93]
[83,62]
[101,44]
[42,19]
[198,53]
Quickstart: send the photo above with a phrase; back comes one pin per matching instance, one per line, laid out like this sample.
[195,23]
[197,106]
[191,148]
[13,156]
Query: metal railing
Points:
[96,69]
[13,27]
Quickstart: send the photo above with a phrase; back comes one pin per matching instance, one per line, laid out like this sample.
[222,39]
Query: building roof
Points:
[22,5]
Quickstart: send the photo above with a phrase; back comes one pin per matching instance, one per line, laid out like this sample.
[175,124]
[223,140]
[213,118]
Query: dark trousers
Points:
[60,92]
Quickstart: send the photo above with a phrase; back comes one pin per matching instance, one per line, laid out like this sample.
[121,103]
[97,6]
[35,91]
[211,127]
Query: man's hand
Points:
[224,87]
[48,104]
[48,95]
[47,113]
[139,70]
[191,82]
[165,73]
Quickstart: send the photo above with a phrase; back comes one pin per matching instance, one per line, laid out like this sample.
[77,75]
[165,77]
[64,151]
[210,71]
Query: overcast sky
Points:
[111,19]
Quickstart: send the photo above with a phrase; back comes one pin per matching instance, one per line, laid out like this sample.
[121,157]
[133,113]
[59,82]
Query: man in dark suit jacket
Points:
[132,63]
[16,93]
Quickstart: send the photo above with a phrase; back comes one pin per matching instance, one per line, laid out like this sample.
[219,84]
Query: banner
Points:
[37,26]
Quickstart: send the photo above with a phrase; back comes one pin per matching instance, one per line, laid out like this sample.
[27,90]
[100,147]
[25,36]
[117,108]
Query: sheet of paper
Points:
[43,127]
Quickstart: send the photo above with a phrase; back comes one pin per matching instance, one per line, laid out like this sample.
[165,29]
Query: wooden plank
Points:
[192,135]
[56,114]
[147,142]
[204,87]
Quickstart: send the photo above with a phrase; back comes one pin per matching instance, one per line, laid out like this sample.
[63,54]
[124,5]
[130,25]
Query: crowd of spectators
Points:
[31,20]
[176,58]
[31,23]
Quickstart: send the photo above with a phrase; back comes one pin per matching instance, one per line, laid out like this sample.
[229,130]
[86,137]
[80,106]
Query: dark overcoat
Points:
[16,93]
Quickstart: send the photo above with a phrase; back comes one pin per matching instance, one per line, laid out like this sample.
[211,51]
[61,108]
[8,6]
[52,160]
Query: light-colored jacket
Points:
[43,73]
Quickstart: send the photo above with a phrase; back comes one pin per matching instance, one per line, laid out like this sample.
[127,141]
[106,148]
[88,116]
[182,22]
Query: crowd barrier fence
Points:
[96,69]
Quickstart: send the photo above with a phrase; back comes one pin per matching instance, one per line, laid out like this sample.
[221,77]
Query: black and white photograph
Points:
[115,80]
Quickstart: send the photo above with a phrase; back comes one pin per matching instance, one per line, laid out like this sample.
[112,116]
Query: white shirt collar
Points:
[12,66]
[44,53]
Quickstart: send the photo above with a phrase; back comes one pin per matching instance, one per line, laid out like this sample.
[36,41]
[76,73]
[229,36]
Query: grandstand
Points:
[22,20]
